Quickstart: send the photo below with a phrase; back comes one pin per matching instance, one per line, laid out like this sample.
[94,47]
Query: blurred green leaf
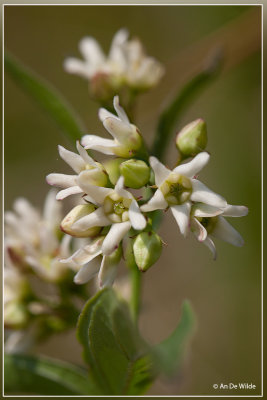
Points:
[170,353]
[44,376]
[185,96]
[118,357]
[46,96]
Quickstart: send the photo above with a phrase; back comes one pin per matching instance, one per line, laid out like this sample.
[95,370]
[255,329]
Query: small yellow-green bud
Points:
[147,249]
[96,176]
[192,139]
[136,173]
[15,315]
[74,215]
[112,167]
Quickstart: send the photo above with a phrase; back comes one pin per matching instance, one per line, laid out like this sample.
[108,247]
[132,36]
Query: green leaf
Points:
[46,96]
[119,359]
[44,376]
[170,116]
[170,353]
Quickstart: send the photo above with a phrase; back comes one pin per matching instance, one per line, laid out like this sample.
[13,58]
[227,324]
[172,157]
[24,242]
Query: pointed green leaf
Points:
[170,353]
[118,357]
[46,96]
[45,376]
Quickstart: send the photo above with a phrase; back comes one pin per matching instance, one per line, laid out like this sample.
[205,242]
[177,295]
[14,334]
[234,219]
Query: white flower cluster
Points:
[110,211]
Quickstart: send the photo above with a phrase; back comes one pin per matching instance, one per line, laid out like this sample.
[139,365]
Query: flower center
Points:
[176,189]
[208,222]
[116,208]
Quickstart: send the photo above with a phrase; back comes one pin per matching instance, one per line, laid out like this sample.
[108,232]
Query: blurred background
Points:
[226,294]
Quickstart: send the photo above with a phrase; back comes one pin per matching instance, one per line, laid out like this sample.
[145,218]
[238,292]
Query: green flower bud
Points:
[147,249]
[96,176]
[112,167]
[115,257]
[136,173]
[192,139]
[74,215]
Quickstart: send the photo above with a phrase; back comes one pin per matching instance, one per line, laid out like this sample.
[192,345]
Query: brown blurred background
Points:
[225,294]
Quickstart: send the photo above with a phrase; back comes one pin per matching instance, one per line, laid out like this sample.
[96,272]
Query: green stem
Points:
[136,291]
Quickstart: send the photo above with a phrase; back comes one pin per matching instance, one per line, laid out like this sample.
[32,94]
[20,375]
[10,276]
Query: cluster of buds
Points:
[113,206]
[126,70]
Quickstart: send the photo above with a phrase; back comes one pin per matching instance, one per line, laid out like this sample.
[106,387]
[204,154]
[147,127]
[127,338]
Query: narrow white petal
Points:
[61,180]
[160,171]
[107,273]
[52,209]
[193,167]
[91,51]
[72,159]
[115,235]
[103,114]
[62,194]
[64,247]
[97,143]
[203,194]
[137,219]
[224,231]
[181,214]
[96,218]
[120,130]
[118,40]
[25,210]
[198,229]
[85,156]
[157,202]
[77,67]
[87,272]
[205,210]
[210,244]
[235,211]
[96,192]
[119,188]
[120,111]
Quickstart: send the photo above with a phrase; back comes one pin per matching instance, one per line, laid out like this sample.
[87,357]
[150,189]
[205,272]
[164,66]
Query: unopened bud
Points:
[112,167]
[74,215]
[136,173]
[96,175]
[147,249]
[192,139]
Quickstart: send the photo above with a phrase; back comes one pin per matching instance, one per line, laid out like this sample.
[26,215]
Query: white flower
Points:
[78,162]
[33,240]
[127,140]
[116,207]
[87,261]
[207,221]
[177,189]
[126,64]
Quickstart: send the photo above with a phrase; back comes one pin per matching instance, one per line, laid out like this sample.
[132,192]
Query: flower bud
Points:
[136,173]
[74,215]
[192,139]
[112,167]
[96,176]
[15,315]
[147,249]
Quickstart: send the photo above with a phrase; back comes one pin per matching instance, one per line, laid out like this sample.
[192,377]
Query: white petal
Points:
[96,192]
[160,171]
[25,210]
[65,246]
[181,214]
[224,231]
[62,194]
[119,39]
[120,111]
[137,219]
[119,188]
[85,156]
[120,130]
[52,209]
[87,272]
[107,273]
[74,160]
[91,51]
[193,167]
[157,202]
[99,144]
[198,229]
[96,218]
[115,235]
[235,211]
[209,243]
[205,210]
[77,67]
[61,180]
[103,114]
[203,194]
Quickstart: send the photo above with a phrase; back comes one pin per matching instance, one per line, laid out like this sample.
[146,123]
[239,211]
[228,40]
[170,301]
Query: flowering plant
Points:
[117,204]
